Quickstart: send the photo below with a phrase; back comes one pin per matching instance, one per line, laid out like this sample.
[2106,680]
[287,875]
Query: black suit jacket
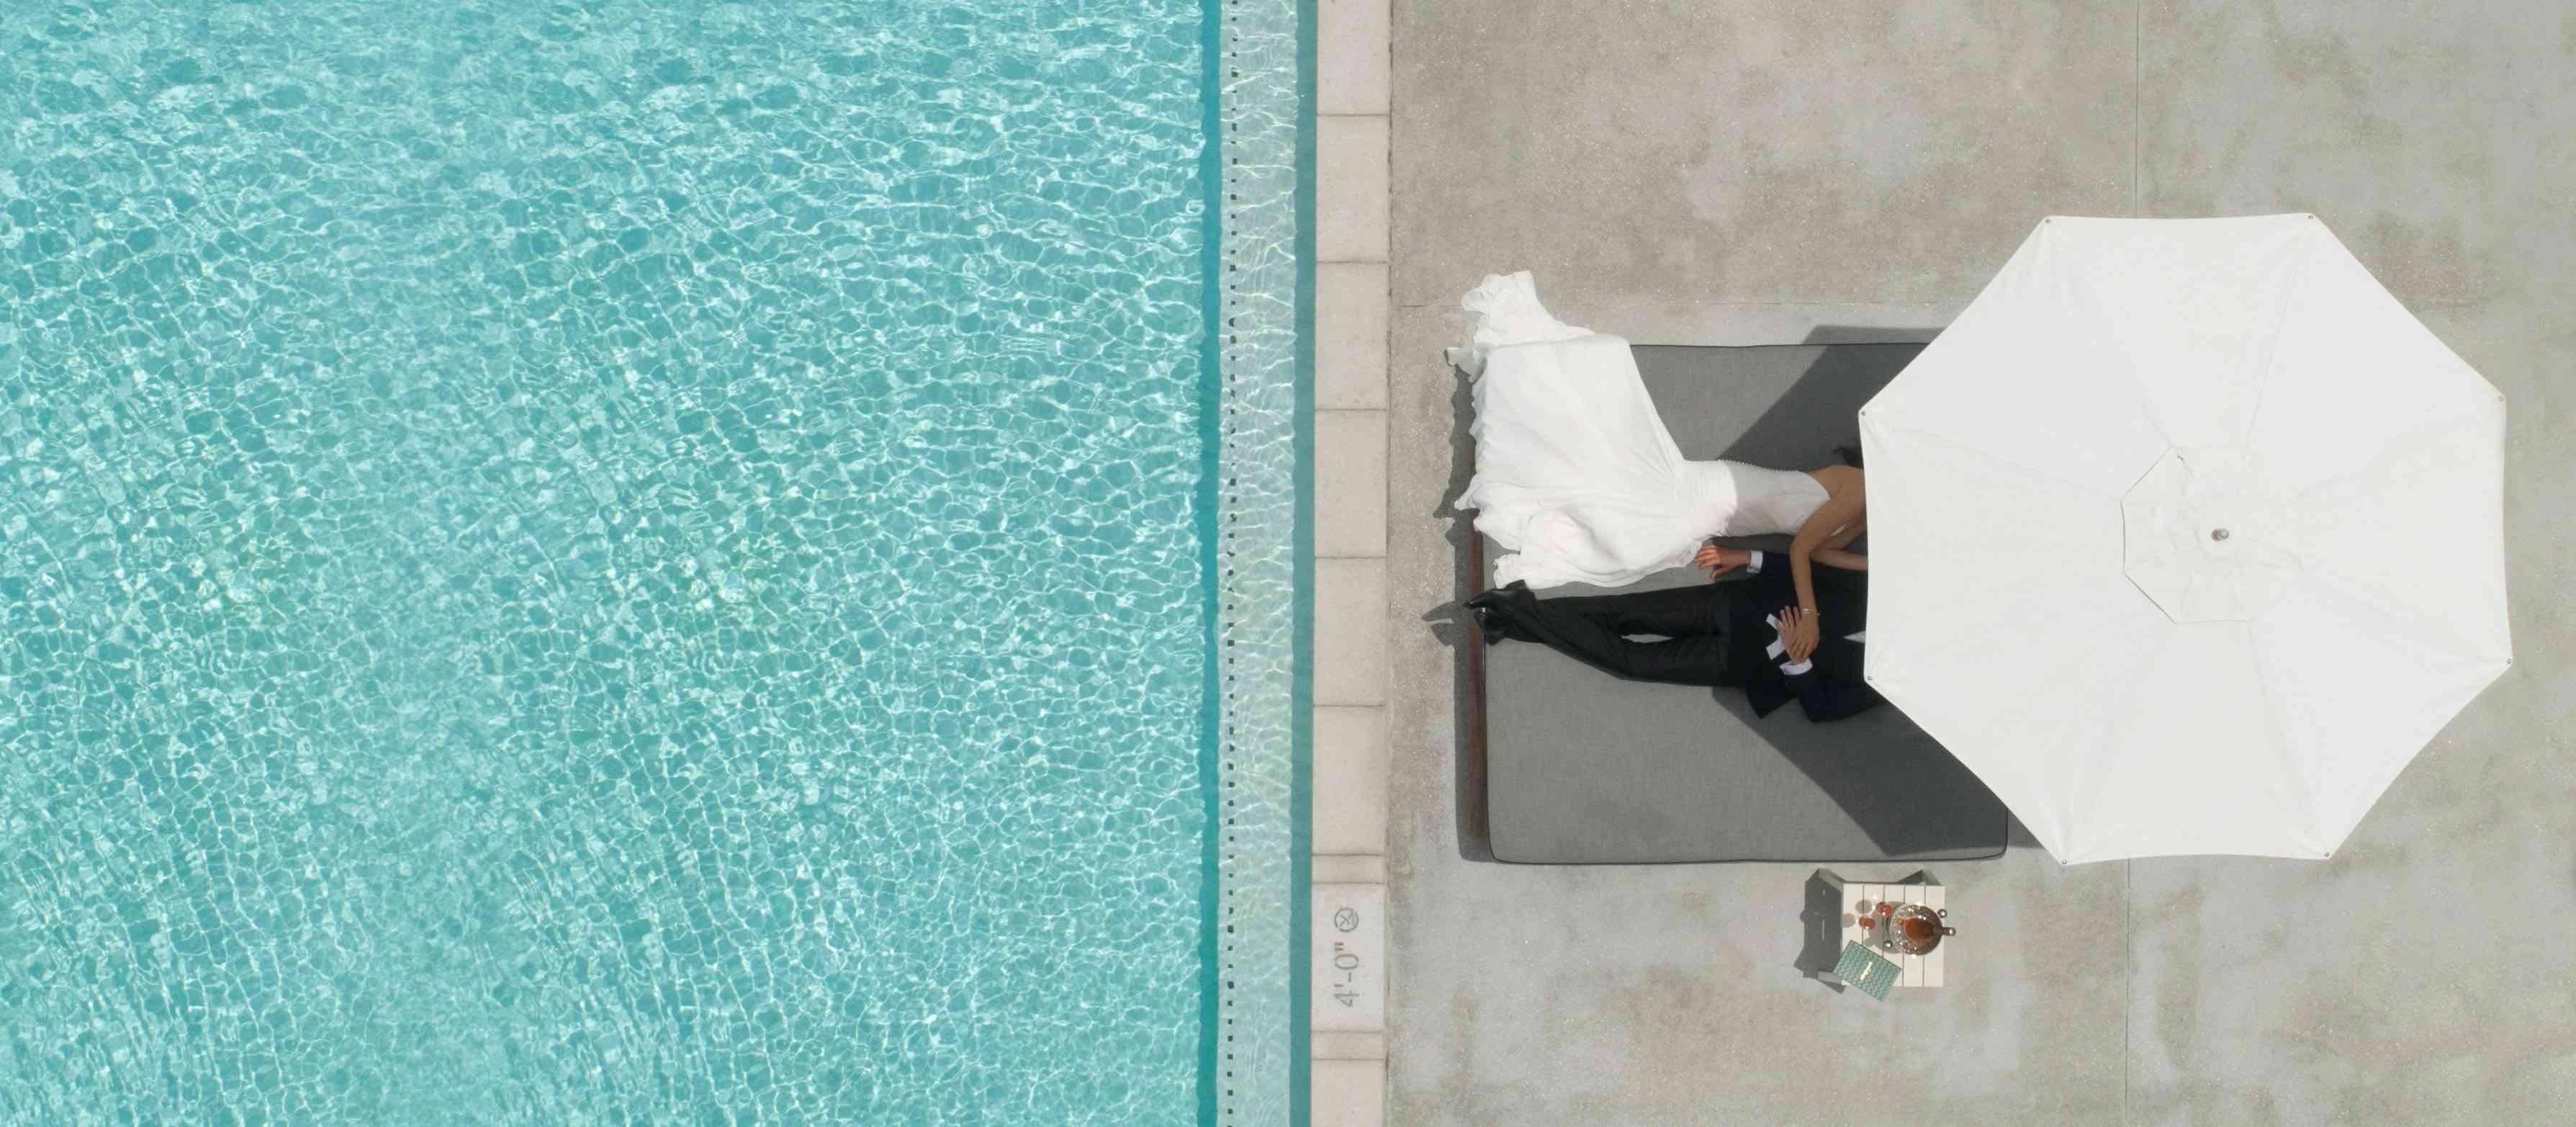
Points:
[1833,687]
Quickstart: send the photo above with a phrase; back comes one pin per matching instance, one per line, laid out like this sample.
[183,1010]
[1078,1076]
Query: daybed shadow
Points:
[1475,842]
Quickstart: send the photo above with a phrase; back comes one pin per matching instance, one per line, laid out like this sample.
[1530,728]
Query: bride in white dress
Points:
[1579,481]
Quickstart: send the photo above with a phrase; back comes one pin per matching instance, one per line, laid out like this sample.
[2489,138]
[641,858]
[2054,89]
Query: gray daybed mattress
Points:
[1583,768]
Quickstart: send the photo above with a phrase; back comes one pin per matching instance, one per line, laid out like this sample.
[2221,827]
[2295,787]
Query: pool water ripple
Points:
[601,562]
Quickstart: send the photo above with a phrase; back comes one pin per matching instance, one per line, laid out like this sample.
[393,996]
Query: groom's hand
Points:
[1718,561]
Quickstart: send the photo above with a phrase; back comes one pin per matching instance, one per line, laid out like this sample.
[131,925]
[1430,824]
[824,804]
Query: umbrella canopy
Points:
[2186,537]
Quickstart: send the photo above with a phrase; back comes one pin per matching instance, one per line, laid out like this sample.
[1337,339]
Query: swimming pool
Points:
[621,562]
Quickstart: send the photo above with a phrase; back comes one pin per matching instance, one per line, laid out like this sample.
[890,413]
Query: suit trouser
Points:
[1593,629]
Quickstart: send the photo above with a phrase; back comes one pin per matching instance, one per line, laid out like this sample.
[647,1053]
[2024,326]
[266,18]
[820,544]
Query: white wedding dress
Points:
[1576,476]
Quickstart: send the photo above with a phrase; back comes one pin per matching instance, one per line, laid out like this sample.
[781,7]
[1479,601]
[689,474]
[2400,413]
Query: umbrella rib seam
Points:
[2271,346]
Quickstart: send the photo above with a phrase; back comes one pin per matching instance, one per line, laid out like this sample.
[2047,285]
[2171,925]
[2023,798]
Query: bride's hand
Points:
[1804,633]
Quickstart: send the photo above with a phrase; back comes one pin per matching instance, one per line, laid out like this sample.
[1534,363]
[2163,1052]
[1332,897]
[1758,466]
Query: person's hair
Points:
[1849,454]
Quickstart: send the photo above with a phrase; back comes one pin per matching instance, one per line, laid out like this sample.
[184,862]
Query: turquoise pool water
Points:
[605,563]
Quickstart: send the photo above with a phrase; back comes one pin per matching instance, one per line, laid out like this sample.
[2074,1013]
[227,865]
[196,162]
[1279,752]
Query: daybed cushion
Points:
[1583,768]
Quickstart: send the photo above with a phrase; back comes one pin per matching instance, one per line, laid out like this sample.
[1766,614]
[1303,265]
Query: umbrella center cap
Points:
[2204,535]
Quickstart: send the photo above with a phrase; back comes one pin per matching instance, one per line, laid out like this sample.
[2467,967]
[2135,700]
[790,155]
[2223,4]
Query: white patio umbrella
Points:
[2185,537]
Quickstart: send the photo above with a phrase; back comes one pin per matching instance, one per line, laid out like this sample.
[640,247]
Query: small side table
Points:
[1917,971]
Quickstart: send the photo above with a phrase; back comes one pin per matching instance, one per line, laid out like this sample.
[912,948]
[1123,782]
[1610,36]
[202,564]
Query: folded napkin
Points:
[1867,969]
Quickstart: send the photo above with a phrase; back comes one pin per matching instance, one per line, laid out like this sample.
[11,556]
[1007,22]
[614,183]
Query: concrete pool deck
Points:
[1768,172]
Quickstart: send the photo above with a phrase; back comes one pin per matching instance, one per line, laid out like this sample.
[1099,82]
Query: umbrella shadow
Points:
[1906,793]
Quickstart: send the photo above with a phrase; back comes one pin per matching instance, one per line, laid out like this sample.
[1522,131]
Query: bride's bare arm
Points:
[1836,557]
[1843,537]
[1844,508]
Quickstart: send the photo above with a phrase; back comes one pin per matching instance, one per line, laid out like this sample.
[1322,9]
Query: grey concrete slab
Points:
[2429,137]
[1808,150]
[1686,160]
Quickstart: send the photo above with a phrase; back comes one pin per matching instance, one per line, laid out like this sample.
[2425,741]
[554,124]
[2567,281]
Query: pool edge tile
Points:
[1351,322]
[1350,483]
[1350,631]
[1355,73]
[1349,1093]
[1350,782]
[1351,181]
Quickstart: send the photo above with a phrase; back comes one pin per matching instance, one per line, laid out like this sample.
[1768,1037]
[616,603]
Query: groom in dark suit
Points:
[1723,634]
